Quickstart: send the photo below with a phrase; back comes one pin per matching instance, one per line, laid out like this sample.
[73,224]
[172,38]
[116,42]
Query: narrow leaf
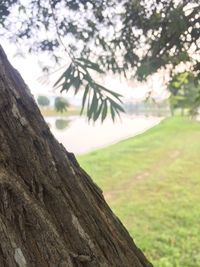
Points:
[98,112]
[104,112]
[116,105]
[93,106]
[112,113]
[91,65]
[84,97]
[65,75]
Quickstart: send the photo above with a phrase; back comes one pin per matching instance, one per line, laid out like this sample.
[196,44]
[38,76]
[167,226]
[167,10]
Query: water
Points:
[79,136]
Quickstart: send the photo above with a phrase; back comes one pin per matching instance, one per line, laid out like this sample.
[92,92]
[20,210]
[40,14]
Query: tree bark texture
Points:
[51,212]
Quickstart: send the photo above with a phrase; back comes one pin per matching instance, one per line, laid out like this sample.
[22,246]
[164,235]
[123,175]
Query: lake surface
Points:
[79,136]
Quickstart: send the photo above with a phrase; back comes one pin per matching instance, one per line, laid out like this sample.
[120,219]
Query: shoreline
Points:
[120,139]
[82,138]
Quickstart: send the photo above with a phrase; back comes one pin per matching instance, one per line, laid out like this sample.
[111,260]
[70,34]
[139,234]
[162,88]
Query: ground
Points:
[152,182]
[50,111]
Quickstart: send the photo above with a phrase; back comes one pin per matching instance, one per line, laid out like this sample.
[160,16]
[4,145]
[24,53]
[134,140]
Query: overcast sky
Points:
[31,72]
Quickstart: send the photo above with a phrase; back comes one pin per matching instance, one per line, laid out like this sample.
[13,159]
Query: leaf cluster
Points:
[97,100]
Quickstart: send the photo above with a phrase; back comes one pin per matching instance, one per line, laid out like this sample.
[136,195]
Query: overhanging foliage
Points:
[122,36]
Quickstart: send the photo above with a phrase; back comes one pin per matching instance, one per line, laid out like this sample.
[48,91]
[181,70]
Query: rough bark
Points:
[51,212]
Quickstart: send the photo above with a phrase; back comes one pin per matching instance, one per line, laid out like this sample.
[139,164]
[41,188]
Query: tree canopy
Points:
[133,38]
[184,93]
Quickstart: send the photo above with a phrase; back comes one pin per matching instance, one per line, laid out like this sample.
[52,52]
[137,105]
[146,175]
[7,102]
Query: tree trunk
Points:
[51,213]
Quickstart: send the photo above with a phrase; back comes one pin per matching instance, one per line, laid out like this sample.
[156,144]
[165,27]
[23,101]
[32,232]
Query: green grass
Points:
[152,182]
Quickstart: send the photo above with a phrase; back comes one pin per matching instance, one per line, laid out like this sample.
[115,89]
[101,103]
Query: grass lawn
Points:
[152,182]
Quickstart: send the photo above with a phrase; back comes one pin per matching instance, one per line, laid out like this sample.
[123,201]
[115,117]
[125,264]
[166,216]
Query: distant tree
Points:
[43,101]
[184,93]
[61,104]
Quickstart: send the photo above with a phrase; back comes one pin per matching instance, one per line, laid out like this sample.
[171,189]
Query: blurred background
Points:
[147,161]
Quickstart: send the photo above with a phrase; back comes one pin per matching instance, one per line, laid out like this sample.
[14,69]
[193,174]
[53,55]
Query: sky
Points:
[29,67]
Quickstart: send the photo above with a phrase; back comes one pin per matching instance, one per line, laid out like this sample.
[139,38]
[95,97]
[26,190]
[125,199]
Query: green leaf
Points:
[66,75]
[85,96]
[22,8]
[93,107]
[104,112]
[65,86]
[94,104]
[116,106]
[76,83]
[98,112]
[112,113]
[116,95]
[89,64]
